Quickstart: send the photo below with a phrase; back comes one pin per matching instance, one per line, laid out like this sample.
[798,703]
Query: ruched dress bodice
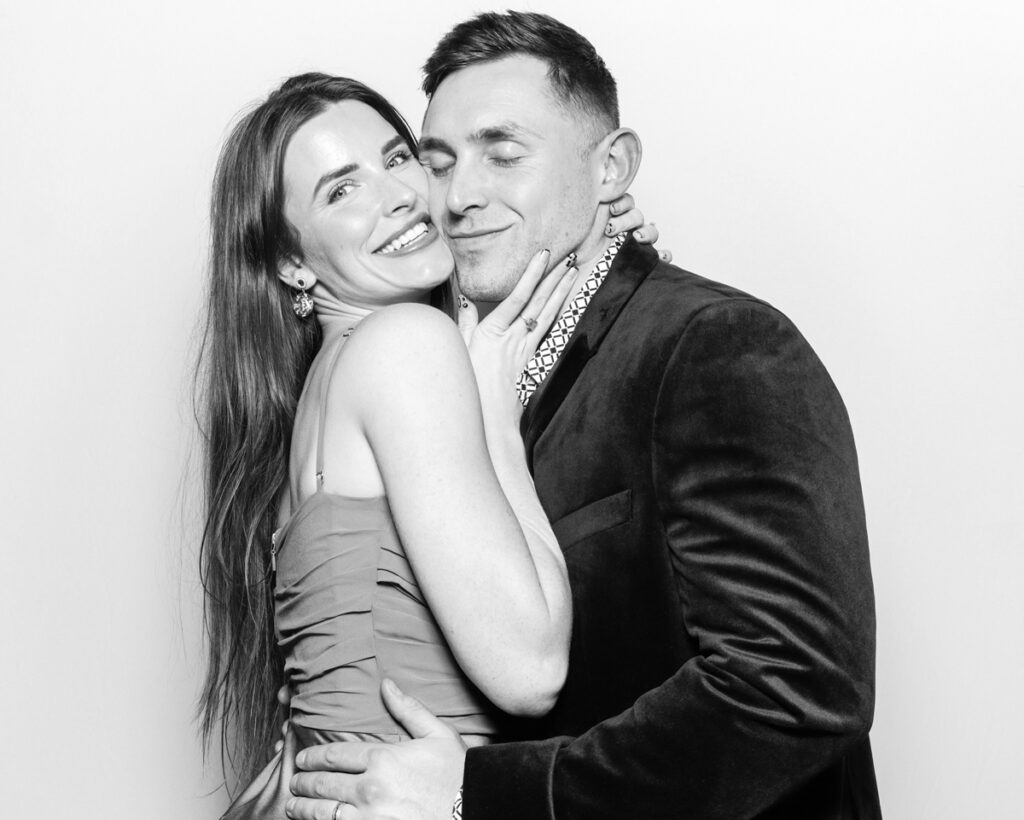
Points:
[349,613]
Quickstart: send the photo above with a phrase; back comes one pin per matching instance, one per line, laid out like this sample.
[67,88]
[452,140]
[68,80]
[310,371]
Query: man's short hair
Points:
[577,74]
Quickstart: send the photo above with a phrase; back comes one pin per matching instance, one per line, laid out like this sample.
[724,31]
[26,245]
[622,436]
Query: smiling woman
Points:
[354,488]
[363,221]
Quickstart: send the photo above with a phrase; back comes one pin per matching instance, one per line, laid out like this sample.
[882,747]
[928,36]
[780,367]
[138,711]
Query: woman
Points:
[355,491]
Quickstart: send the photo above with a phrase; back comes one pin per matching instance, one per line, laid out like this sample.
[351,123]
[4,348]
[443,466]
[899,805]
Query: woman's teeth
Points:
[415,232]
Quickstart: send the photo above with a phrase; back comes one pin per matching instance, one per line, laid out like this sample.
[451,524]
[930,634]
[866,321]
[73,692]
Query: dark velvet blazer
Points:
[698,465]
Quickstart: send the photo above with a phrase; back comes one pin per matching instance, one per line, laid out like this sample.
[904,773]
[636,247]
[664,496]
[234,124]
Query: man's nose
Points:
[467,189]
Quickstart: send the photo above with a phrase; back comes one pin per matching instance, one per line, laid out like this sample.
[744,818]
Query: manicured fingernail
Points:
[638,234]
[300,758]
[609,229]
[289,807]
[390,686]
[546,252]
[570,260]
[463,302]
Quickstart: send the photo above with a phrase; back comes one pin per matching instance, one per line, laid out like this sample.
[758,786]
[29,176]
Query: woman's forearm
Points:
[470,522]
[508,457]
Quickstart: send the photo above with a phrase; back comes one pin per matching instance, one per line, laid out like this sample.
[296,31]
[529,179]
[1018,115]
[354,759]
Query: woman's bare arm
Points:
[477,539]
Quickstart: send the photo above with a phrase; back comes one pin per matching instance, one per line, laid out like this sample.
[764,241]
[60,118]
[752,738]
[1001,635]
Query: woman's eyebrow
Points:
[394,142]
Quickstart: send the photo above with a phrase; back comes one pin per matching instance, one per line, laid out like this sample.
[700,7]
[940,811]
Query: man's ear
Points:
[620,153]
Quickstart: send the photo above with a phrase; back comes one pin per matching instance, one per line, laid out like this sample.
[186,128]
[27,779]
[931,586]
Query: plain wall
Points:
[860,165]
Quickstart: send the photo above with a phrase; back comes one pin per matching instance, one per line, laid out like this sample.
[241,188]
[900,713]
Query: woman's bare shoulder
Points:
[407,320]
[404,347]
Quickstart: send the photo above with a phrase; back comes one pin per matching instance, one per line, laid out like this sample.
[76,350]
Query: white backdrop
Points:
[861,165]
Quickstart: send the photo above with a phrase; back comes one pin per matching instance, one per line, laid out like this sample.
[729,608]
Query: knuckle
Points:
[368,790]
[321,785]
[332,756]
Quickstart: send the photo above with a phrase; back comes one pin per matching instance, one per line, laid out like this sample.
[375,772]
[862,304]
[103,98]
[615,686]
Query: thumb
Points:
[412,714]
[467,319]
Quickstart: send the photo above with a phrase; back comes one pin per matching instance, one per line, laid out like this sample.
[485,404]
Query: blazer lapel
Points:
[632,264]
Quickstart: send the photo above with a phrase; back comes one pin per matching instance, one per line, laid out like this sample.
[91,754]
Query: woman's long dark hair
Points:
[253,362]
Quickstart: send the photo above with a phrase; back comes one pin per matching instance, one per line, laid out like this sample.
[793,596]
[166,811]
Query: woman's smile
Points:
[410,239]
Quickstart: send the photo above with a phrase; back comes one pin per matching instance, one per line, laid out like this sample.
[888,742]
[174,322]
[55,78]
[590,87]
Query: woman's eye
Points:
[505,162]
[340,190]
[398,158]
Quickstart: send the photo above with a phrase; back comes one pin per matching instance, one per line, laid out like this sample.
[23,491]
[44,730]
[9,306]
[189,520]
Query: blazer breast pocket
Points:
[595,517]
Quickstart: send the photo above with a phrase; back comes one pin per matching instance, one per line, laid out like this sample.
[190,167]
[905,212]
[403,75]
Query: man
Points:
[699,470]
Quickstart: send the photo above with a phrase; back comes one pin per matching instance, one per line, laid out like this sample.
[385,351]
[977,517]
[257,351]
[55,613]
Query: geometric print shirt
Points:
[554,343]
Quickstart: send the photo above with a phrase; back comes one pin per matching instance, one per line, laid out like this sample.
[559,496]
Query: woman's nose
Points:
[399,195]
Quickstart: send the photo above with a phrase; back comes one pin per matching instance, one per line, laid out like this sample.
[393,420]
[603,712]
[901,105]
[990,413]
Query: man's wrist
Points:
[457,806]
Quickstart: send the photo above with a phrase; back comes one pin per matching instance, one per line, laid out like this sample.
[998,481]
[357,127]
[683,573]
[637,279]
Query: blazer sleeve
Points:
[759,496]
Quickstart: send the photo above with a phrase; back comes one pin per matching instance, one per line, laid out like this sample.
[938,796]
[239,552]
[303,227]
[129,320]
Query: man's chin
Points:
[483,292]
[485,278]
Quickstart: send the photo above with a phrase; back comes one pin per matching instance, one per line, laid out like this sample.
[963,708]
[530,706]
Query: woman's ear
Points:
[620,154]
[291,272]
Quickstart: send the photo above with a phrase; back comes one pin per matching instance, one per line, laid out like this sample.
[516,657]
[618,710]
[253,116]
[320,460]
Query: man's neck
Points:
[588,255]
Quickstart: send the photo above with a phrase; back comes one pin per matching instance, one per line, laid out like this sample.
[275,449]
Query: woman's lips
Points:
[419,242]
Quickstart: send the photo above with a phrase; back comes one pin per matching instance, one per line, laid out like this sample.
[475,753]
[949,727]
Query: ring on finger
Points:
[530,322]
[338,810]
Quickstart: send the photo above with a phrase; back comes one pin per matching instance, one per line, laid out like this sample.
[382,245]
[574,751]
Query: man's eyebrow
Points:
[502,131]
[492,133]
[435,144]
[330,176]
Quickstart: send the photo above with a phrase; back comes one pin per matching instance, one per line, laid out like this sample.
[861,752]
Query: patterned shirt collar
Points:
[554,343]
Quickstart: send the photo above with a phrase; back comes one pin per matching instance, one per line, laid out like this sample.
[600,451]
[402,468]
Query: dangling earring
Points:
[302,304]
